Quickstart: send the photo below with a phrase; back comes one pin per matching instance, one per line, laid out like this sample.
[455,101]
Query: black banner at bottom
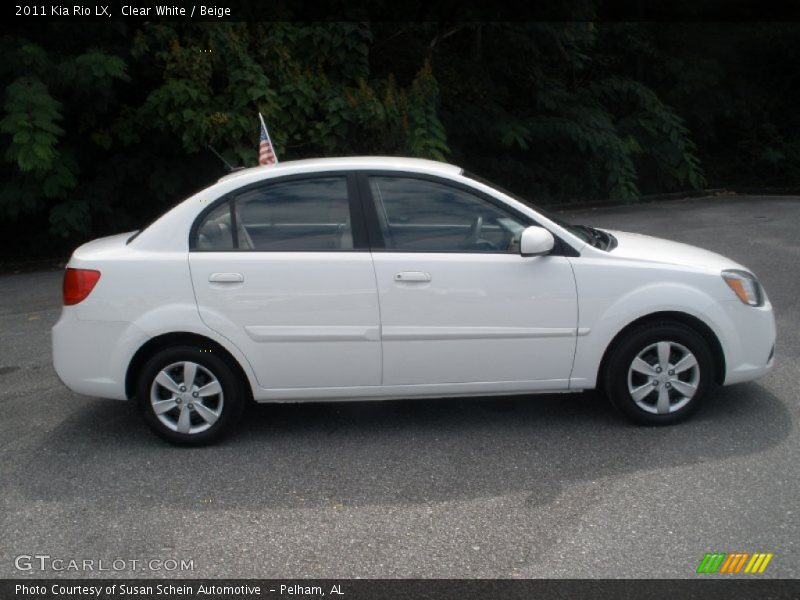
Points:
[388,589]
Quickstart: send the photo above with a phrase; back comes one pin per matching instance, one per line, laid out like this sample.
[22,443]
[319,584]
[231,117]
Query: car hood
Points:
[652,249]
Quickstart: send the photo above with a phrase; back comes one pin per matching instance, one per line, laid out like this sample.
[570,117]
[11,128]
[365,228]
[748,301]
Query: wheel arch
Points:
[160,342]
[691,321]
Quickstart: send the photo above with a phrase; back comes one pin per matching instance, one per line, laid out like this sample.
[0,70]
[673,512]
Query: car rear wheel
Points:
[189,396]
[659,373]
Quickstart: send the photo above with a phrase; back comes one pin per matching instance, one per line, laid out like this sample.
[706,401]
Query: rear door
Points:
[282,269]
[459,304]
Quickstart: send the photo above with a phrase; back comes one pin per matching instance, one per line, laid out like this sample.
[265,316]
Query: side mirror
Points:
[536,241]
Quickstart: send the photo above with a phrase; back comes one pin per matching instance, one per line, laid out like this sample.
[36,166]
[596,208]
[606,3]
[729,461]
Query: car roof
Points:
[311,165]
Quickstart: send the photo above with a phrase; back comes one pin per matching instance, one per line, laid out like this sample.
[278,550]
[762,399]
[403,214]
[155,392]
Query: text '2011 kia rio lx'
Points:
[369,278]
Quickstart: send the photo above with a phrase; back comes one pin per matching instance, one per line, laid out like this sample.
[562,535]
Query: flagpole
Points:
[264,125]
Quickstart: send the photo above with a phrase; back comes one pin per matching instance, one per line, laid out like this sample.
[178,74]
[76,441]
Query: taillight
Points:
[78,283]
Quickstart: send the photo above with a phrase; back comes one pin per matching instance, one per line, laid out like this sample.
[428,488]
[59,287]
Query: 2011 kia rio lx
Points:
[368,278]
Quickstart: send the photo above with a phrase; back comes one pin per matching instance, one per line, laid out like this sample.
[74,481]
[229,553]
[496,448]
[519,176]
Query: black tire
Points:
[645,338]
[229,404]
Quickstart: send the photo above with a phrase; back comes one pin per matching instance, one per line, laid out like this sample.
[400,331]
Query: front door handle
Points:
[412,276]
[226,278]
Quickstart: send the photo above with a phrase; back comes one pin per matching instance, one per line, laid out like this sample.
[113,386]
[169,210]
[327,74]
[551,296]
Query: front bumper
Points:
[750,343]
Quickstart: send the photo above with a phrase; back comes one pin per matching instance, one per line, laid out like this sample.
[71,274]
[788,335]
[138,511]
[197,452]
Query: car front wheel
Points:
[659,373]
[189,396]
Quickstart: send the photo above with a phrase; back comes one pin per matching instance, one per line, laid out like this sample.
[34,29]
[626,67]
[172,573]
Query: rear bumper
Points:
[750,348]
[91,357]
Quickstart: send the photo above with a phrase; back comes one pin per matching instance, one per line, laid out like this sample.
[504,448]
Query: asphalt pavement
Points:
[537,486]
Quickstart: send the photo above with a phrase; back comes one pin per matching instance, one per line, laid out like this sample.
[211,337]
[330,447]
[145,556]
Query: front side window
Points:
[418,215]
[300,215]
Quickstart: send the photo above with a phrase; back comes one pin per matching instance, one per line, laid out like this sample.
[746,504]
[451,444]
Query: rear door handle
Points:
[226,278]
[412,276]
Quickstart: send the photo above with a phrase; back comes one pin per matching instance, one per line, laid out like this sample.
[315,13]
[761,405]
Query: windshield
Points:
[590,235]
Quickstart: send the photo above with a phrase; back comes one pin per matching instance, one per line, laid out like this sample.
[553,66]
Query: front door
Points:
[459,305]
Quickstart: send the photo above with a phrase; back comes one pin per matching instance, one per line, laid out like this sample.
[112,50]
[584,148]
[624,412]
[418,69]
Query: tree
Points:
[106,126]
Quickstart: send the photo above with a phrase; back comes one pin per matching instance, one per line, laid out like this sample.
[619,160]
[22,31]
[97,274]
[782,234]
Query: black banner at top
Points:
[410,10]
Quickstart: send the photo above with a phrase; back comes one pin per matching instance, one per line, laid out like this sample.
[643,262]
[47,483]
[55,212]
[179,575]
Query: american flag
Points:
[266,154]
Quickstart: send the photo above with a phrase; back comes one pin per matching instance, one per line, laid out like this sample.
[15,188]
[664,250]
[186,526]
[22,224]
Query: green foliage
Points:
[105,126]
[652,125]
[427,137]
[310,82]
[43,137]
[30,119]
[568,125]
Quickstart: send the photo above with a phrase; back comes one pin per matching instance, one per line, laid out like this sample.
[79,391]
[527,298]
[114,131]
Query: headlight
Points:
[745,286]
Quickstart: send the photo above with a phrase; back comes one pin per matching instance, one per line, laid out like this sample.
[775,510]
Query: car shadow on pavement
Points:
[391,452]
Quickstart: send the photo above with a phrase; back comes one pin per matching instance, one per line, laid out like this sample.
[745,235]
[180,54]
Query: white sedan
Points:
[371,278]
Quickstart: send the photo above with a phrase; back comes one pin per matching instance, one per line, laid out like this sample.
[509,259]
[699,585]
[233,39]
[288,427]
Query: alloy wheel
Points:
[663,377]
[186,397]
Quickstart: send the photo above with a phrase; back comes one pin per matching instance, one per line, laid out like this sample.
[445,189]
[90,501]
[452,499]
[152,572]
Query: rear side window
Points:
[299,215]
[309,214]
